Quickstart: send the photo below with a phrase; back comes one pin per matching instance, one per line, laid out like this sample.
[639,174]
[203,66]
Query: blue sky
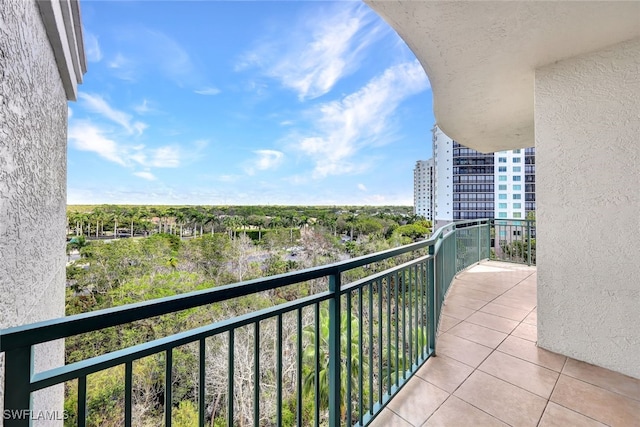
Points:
[221,103]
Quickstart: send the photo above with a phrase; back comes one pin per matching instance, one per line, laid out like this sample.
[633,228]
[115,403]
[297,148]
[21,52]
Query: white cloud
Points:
[86,137]
[208,91]
[146,175]
[359,120]
[143,107]
[119,61]
[264,160]
[69,112]
[98,105]
[145,50]
[92,47]
[362,187]
[123,67]
[165,157]
[318,51]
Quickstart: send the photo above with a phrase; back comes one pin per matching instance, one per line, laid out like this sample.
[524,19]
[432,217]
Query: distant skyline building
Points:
[468,184]
[423,189]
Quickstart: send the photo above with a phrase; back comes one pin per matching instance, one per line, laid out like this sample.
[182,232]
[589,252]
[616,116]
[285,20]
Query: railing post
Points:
[489,223]
[479,240]
[18,367]
[529,242]
[432,314]
[335,358]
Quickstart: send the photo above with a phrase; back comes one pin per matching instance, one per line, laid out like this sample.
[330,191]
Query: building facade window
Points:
[517,187]
[502,214]
[502,160]
[517,206]
[502,206]
[502,178]
[517,215]
[502,187]
[517,178]
[517,197]
[516,160]
[503,196]
[502,168]
[517,169]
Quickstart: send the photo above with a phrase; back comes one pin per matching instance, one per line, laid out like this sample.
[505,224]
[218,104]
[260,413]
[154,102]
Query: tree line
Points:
[166,263]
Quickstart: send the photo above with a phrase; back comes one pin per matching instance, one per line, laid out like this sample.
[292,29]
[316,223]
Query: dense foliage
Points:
[193,248]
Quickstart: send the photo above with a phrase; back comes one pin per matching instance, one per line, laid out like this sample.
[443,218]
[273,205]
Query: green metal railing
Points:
[514,240]
[344,352]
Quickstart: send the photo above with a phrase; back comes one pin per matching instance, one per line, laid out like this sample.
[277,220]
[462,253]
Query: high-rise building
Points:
[423,189]
[443,177]
[469,184]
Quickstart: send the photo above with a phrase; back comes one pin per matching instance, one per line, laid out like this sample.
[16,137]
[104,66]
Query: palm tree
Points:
[309,357]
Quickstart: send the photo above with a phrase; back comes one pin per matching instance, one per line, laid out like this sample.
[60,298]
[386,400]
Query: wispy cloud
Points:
[98,105]
[208,91]
[362,187]
[143,107]
[92,47]
[264,160]
[87,136]
[318,51]
[145,175]
[143,50]
[360,120]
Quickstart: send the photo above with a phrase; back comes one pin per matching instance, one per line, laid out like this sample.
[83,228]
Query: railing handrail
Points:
[49,330]
[73,370]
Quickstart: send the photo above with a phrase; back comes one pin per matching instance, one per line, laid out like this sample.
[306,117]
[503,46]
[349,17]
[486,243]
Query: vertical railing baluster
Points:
[128,385]
[317,364]
[335,353]
[168,377]
[423,308]
[403,292]
[410,356]
[528,242]
[349,361]
[256,375]
[370,347]
[478,243]
[299,368]
[360,359]
[279,370]
[231,377]
[397,328]
[379,341]
[388,281]
[416,305]
[82,401]
[18,368]
[433,299]
[201,384]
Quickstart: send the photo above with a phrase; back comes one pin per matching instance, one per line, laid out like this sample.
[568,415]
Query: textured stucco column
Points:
[36,41]
[587,126]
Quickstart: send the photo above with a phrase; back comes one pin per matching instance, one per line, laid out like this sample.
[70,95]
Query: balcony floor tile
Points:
[490,372]
[457,412]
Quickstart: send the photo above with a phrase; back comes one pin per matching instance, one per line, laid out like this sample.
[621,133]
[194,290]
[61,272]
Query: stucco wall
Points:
[33,126]
[587,125]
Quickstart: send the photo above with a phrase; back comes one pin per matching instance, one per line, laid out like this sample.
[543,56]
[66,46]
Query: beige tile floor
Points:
[489,371]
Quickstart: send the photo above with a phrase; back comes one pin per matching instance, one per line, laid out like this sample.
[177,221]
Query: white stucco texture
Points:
[481,56]
[33,165]
[587,125]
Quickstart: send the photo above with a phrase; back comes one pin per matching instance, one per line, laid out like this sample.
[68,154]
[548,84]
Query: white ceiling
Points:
[481,56]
